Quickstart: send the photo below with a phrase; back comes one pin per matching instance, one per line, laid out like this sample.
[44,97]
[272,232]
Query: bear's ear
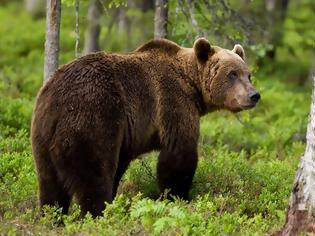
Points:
[238,49]
[202,49]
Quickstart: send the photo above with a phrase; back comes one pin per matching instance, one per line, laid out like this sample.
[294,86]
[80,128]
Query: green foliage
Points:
[246,165]
[105,3]
[116,3]
[299,30]
[136,30]
[225,23]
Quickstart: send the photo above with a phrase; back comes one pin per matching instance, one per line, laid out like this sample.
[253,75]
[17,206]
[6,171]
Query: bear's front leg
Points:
[176,169]
[178,125]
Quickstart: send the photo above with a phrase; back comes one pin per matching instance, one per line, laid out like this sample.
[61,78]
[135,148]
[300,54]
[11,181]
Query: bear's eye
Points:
[233,75]
[249,78]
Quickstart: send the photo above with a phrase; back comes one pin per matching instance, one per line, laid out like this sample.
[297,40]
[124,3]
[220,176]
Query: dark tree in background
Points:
[52,37]
[146,5]
[93,28]
[160,19]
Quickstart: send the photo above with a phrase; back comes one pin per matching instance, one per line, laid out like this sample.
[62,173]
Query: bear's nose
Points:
[254,96]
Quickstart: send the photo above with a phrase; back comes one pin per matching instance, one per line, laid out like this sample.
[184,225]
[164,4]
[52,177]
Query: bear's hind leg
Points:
[89,170]
[95,183]
[92,199]
[51,190]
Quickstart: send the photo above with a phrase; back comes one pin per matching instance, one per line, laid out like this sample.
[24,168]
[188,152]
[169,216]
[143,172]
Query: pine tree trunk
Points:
[160,20]
[94,28]
[301,212]
[52,37]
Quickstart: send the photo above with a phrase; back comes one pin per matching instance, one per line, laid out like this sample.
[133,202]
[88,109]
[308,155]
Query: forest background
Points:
[247,162]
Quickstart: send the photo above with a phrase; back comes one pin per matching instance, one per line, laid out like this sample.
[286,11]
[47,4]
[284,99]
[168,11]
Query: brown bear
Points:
[99,112]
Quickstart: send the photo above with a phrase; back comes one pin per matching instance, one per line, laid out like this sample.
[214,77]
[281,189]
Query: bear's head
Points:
[225,77]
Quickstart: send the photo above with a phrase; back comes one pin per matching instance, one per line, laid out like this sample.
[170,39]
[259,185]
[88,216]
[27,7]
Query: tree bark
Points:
[94,28]
[122,19]
[301,212]
[160,19]
[52,37]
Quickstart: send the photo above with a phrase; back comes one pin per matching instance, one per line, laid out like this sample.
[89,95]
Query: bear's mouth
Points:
[237,106]
[249,106]
[243,103]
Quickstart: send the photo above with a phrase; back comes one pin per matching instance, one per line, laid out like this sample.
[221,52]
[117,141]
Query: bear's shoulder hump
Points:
[162,45]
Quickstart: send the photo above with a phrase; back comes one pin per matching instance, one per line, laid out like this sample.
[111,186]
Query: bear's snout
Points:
[254,96]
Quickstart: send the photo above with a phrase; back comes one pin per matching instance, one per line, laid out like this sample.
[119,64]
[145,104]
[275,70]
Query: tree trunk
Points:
[52,37]
[301,212]
[93,30]
[122,19]
[77,31]
[160,19]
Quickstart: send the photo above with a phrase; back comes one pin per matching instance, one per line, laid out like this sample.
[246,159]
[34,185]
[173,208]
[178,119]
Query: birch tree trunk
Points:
[301,212]
[160,19]
[93,30]
[52,37]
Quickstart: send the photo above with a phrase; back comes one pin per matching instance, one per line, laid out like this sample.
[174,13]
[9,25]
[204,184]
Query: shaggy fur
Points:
[99,112]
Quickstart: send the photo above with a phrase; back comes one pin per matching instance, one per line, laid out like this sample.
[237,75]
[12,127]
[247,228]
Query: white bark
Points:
[304,197]
[300,215]
[160,19]
[52,37]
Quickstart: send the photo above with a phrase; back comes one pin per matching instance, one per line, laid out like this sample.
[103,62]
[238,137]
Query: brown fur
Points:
[99,112]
